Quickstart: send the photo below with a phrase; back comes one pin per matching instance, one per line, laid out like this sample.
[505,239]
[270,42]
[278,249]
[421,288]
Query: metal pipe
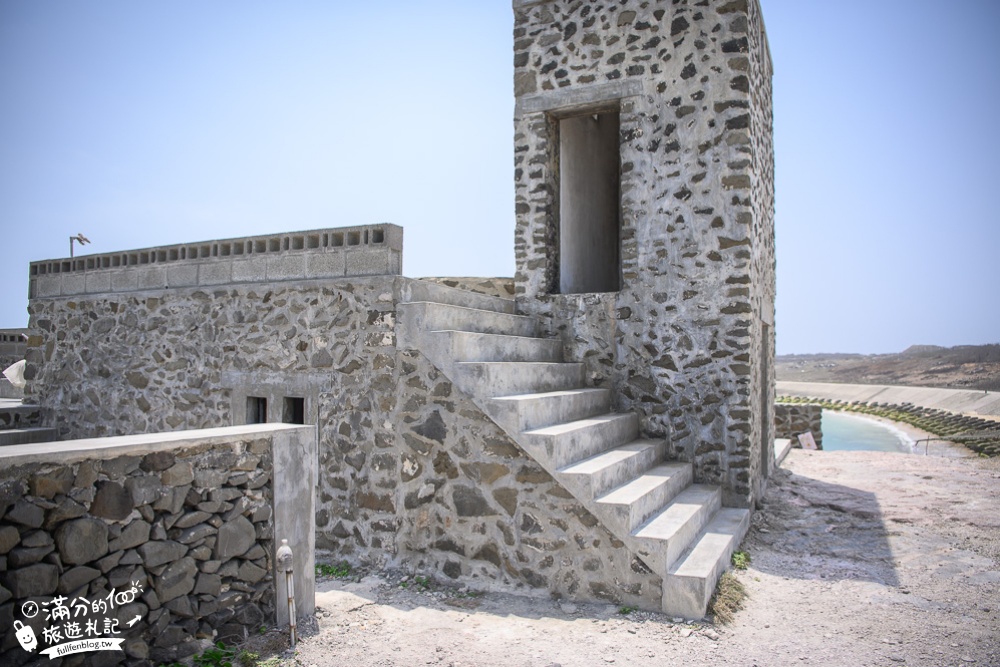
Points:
[285,563]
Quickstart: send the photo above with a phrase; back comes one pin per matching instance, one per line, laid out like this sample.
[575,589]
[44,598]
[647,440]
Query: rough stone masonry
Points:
[671,101]
[688,339]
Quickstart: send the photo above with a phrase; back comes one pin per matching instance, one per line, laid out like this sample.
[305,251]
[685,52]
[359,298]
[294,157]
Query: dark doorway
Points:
[256,410]
[589,194]
[294,410]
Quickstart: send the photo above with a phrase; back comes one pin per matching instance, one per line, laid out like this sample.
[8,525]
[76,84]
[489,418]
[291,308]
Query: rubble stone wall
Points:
[791,419]
[178,532]
[434,486]
[165,360]
[412,475]
[687,342]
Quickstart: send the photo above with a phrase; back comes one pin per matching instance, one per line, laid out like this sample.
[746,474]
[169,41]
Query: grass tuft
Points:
[728,598]
[340,571]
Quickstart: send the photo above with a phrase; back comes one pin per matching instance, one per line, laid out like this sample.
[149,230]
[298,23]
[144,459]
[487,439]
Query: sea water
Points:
[847,432]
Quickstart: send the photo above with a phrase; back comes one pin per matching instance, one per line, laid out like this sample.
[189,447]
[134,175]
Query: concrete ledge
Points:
[69,451]
[569,99]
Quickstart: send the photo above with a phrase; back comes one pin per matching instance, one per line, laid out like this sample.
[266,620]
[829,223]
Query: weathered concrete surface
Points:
[978,403]
[295,480]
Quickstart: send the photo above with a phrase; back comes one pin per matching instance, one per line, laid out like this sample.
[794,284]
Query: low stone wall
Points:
[162,543]
[792,419]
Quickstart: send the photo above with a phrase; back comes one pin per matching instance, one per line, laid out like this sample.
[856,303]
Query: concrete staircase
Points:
[17,424]
[679,529]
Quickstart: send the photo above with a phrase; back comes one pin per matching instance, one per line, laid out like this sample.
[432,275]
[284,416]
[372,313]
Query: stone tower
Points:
[645,225]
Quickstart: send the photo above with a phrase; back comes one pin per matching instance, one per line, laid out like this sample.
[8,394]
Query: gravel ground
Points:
[858,559]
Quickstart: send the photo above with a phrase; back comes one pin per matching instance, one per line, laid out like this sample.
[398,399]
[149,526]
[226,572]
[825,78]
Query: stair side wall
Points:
[688,340]
[427,483]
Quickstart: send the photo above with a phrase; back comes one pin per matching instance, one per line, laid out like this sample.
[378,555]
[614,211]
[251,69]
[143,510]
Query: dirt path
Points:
[859,559]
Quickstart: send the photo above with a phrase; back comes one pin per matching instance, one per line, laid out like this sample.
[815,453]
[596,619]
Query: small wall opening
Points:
[256,410]
[294,411]
[589,203]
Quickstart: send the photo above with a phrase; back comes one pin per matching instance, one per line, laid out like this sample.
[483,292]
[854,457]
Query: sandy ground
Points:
[858,559]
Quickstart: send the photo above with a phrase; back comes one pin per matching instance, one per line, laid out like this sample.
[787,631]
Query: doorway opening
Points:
[589,203]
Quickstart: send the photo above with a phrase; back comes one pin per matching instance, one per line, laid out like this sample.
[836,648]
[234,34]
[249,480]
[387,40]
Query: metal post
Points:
[284,558]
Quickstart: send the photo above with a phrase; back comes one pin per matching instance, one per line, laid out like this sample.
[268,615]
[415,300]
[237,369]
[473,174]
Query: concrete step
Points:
[26,436]
[670,532]
[614,467]
[516,377]
[422,316]
[691,580]
[563,444]
[635,501]
[418,290]
[531,411]
[471,346]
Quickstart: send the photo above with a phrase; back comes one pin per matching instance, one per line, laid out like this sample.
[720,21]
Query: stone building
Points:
[601,435]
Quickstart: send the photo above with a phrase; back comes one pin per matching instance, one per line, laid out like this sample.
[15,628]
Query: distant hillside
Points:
[960,367]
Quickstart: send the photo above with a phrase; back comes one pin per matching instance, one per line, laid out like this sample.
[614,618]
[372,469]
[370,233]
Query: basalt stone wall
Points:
[420,479]
[180,536]
[166,360]
[687,341]
[412,474]
[791,419]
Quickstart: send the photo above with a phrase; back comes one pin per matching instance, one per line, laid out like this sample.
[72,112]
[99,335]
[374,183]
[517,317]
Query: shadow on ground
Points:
[818,529]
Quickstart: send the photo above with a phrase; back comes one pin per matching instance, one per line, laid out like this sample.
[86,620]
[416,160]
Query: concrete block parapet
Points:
[13,345]
[369,250]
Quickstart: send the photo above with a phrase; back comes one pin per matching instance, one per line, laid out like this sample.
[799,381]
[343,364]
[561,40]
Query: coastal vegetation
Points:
[980,435]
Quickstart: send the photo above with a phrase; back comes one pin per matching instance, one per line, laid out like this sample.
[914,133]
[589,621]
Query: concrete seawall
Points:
[963,401]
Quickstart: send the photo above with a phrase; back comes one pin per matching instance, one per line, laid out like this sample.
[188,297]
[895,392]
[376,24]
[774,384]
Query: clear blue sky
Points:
[152,123]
